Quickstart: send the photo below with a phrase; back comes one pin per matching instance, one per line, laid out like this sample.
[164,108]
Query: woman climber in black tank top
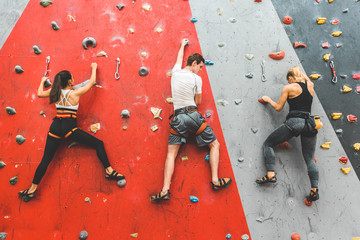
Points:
[64,126]
[299,94]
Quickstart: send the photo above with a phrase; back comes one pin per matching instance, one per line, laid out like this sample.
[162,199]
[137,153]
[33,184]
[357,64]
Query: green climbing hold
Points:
[37,50]
[13,180]
[55,26]
[2,164]
[10,110]
[45,3]
[20,139]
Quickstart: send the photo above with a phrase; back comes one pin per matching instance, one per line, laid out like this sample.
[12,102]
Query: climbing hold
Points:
[47,83]
[330,1]
[249,56]
[209,62]
[95,127]
[193,19]
[257,0]
[228,236]
[315,76]
[336,115]
[337,33]
[42,113]
[260,100]
[158,30]
[299,45]
[338,45]
[87,41]
[339,131]
[143,71]
[343,160]
[83,235]
[124,128]
[2,164]
[343,76]
[120,6]
[326,145]
[131,30]
[249,75]
[351,118]
[3,235]
[327,56]
[13,180]
[277,55]
[346,89]
[254,130]
[143,54]
[45,3]
[207,158]
[125,113]
[318,1]
[237,101]
[208,115]
[169,100]
[356,146]
[222,102]
[156,112]
[334,22]
[146,7]
[220,11]
[345,10]
[241,159]
[295,236]
[154,128]
[356,76]
[358,89]
[102,54]
[18,69]
[325,45]
[287,20]
[134,235]
[194,199]
[72,144]
[71,18]
[315,160]
[346,170]
[185,158]
[121,183]
[221,44]
[232,20]
[20,139]
[87,199]
[260,219]
[320,20]
[55,26]
[37,50]
[285,145]
[10,110]
[245,237]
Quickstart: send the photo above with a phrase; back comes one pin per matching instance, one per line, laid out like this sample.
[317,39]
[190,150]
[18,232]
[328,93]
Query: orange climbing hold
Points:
[295,236]
[351,118]
[287,20]
[299,45]
[277,55]
[315,159]
[336,115]
[320,20]
[326,145]
[315,76]
[343,160]
[356,146]
[260,100]
[257,0]
[285,145]
[337,33]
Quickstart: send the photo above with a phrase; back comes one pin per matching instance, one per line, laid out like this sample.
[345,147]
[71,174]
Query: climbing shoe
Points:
[160,196]
[222,183]
[266,179]
[26,196]
[114,176]
[313,196]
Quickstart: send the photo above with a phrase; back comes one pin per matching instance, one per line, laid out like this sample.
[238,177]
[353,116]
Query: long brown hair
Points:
[60,81]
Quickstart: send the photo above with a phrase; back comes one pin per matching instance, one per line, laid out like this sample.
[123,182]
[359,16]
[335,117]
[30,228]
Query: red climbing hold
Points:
[295,236]
[358,89]
[352,118]
[299,44]
[325,45]
[343,160]
[315,159]
[262,101]
[277,55]
[257,0]
[356,76]
[287,20]
[318,1]
[285,145]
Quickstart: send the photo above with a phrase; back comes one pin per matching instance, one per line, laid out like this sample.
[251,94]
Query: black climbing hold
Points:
[83,235]
[18,69]
[13,180]
[37,50]
[238,101]
[143,71]
[2,164]
[47,83]
[45,3]
[3,235]
[20,139]
[55,26]
[121,183]
[87,41]
[125,113]
[249,75]
[10,110]
[120,6]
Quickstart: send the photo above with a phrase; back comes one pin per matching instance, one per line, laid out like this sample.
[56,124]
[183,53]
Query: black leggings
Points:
[60,127]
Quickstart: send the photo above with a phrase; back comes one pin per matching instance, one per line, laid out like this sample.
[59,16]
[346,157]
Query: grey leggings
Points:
[292,127]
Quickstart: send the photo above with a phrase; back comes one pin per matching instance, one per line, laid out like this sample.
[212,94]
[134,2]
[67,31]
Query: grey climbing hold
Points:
[72,144]
[143,71]
[13,180]
[260,219]
[222,102]
[18,69]
[245,237]
[343,76]
[10,110]
[232,20]
[254,130]
[87,41]
[47,83]
[20,139]
[125,113]
[2,164]
[339,131]
[238,101]
[3,235]
[221,44]
[208,115]
[121,183]
[241,159]
[120,6]
[55,26]
[249,75]
[45,3]
[338,45]
[83,235]
[37,50]
[345,10]
[194,199]
[249,56]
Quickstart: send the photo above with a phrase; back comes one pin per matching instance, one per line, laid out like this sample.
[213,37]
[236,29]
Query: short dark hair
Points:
[290,73]
[195,57]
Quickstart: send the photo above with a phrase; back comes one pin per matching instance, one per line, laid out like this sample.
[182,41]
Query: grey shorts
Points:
[187,124]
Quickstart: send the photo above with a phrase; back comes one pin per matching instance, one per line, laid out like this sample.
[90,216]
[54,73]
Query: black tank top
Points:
[303,101]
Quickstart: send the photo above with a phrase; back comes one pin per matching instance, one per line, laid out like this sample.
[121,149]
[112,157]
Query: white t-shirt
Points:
[184,85]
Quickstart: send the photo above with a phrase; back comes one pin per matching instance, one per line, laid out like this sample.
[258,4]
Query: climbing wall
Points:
[59,210]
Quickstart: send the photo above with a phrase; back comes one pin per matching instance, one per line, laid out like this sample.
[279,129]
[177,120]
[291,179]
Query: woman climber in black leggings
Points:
[299,94]
[64,126]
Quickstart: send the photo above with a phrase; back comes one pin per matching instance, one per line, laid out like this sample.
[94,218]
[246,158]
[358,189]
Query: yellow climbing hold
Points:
[337,33]
[346,89]
[330,1]
[326,145]
[327,56]
[185,158]
[346,170]
[336,115]
[101,54]
[131,30]
[154,128]
[134,235]
[357,146]
[356,238]
[158,30]
[315,76]
[321,20]
[169,100]
[146,6]
[143,54]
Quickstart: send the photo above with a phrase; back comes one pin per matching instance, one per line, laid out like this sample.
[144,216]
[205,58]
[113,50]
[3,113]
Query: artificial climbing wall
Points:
[59,210]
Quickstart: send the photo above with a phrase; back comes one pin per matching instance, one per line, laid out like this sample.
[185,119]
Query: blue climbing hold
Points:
[228,236]
[208,115]
[194,199]
[207,158]
[209,62]
[193,19]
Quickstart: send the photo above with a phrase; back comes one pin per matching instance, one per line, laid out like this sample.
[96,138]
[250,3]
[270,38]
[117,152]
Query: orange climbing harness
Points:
[66,115]
[178,111]
[66,135]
